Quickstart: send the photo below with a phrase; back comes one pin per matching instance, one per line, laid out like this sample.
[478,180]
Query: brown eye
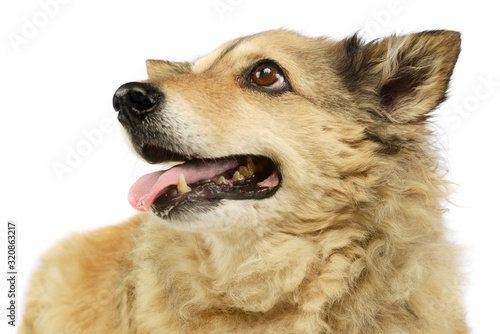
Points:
[265,75]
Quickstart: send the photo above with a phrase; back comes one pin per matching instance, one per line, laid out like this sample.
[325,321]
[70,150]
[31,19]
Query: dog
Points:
[305,197]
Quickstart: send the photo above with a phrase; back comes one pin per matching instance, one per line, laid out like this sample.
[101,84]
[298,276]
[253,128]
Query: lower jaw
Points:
[206,197]
[180,212]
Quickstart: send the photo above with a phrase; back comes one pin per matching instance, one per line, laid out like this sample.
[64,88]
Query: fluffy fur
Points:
[352,242]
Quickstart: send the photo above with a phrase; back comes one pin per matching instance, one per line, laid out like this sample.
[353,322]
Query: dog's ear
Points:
[161,68]
[401,78]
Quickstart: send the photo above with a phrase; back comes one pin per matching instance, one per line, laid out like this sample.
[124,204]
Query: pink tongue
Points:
[145,190]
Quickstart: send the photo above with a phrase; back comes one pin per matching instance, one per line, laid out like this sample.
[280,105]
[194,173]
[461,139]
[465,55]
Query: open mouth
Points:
[202,181]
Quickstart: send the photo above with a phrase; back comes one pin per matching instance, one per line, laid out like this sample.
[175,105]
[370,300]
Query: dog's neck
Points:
[249,272]
[255,274]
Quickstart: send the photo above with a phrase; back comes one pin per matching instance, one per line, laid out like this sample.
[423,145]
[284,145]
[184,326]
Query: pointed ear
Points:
[401,78]
[160,68]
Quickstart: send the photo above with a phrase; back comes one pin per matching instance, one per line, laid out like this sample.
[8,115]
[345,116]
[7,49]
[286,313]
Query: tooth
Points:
[249,169]
[237,176]
[245,171]
[251,166]
[221,180]
[182,185]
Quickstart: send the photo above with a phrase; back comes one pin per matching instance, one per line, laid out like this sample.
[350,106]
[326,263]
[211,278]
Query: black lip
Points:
[211,193]
[190,202]
[156,154]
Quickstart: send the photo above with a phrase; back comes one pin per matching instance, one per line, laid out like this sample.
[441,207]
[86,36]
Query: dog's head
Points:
[279,129]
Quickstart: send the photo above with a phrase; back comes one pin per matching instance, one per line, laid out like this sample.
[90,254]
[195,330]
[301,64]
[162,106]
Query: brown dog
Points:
[308,200]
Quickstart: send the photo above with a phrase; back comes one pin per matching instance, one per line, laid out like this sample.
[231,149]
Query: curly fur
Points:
[352,242]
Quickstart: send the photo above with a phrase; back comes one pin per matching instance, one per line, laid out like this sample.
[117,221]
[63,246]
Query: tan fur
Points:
[352,242]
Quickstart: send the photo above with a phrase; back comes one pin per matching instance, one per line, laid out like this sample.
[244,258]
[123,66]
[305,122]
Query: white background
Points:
[60,66]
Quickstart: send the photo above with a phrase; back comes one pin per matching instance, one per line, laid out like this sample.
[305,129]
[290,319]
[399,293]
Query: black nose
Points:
[134,100]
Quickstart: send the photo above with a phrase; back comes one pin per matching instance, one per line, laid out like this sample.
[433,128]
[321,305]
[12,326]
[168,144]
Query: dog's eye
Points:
[268,75]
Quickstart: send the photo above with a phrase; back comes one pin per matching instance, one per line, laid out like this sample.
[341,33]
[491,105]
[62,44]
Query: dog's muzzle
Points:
[134,101]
